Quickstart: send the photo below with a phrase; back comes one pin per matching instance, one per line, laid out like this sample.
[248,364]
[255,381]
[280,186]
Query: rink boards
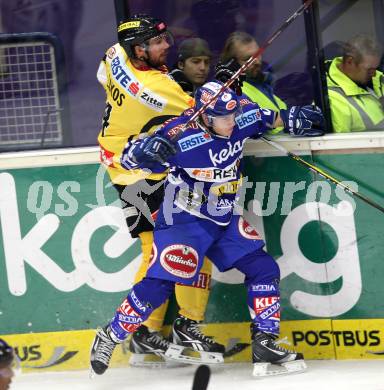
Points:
[317,339]
[66,261]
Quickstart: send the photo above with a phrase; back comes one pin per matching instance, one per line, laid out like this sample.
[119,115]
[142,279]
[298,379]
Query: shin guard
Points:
[264,306]
[139,304]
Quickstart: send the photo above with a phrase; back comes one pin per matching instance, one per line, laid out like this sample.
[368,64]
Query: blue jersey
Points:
[205,174]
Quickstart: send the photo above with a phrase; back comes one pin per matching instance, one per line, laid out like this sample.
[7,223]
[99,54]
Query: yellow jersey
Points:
[138,101]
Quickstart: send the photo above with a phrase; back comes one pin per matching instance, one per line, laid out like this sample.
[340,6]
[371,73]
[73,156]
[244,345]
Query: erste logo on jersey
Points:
[124,77]
[180,260]
[193,141]
[248,118]
[152,100]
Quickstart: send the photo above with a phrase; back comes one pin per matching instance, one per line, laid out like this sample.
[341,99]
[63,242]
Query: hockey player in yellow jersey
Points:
[140,97]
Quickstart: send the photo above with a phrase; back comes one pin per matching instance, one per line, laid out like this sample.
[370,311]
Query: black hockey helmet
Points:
[138,29]
[6,354]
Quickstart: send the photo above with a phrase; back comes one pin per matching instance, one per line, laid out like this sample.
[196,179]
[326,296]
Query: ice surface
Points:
[324,375]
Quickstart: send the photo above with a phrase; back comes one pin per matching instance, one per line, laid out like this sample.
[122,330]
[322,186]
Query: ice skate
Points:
[148,349]
[101,351]
[192,346]
[269,358]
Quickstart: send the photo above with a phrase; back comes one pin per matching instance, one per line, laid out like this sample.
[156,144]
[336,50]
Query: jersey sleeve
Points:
[255,120]
[102,73]
[128,161]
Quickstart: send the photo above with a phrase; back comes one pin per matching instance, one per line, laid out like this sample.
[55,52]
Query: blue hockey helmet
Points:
[225,103]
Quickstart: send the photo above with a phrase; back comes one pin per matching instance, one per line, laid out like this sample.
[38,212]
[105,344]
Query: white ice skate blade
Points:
[92,373]
[146,360]
[180,353]
[268,369]
[152,361]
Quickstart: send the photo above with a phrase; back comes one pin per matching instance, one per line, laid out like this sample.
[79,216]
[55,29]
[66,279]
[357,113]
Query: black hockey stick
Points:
[324,174]
[121,11]
[201,378]
[237,348]
[245,66]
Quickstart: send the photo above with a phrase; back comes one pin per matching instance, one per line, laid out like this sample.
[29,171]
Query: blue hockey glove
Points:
[303,120]
[154,149]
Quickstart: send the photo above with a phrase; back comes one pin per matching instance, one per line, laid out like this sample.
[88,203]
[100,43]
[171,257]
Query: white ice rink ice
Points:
[321,375]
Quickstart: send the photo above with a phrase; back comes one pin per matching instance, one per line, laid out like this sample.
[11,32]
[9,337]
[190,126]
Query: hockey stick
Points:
[201,378]
[245,66]
[324,174]
[121,11]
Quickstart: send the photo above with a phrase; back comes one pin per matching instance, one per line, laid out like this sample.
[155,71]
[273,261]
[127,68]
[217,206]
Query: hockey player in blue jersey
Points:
[197,218]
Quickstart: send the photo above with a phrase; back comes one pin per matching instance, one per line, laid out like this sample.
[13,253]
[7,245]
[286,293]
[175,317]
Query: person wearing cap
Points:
[6,361]
[193,64]
[140,96]
[258,84]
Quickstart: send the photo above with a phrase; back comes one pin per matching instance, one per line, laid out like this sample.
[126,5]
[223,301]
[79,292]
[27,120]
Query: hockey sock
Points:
[139,304]
[156,319]
[262,276]
[264,306]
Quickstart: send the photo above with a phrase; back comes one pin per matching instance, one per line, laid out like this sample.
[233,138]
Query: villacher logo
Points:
[180,260]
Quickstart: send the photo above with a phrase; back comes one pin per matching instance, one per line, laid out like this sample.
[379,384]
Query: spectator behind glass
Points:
[258,84]
[193,63]
[356,87]
[6,362]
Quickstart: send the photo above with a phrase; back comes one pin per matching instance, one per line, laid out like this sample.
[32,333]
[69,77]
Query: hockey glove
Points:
[181,79]
[224,71]
[154,149]
[303,121]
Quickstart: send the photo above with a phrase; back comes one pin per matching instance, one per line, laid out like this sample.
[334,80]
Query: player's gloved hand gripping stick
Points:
[307,121]
[154,149]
